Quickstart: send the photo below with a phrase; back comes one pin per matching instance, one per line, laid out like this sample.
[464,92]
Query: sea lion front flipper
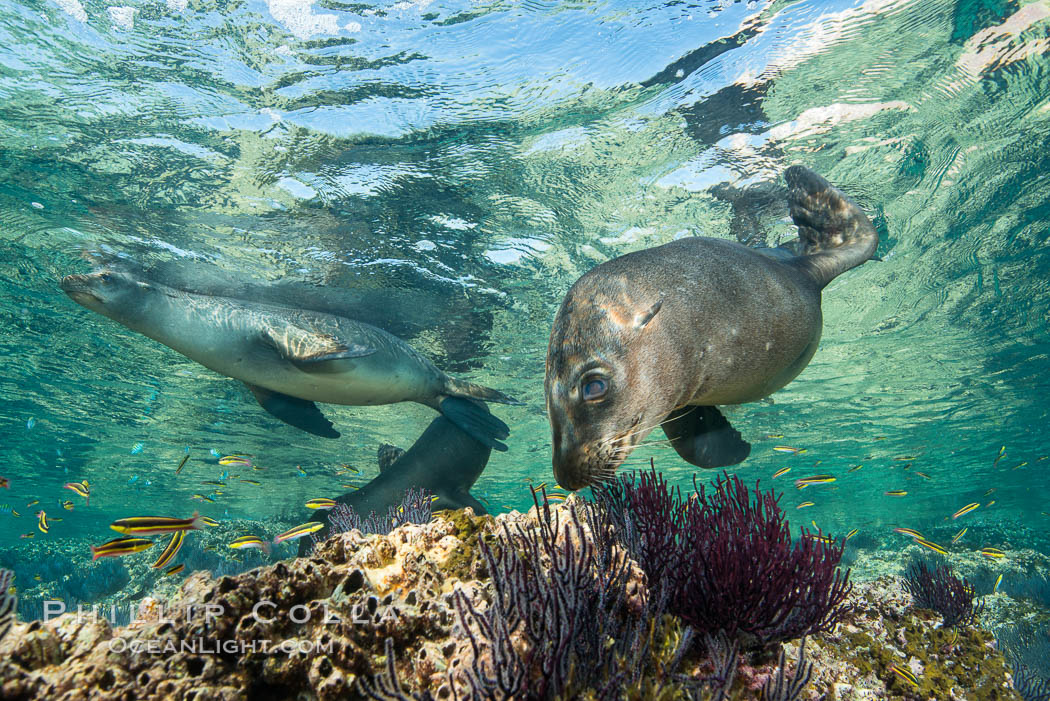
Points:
[308,348]
[703,437]
[295,412]
[387,455]
[474,419]
[835,234]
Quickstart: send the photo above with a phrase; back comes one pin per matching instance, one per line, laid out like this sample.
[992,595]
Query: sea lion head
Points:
[107,292]
[599,401]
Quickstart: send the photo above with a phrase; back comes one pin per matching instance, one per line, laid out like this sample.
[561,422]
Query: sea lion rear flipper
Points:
[387,455]
[458,501]
[306,347]
[835,233]
[474,419]
[295,412]
[703,437]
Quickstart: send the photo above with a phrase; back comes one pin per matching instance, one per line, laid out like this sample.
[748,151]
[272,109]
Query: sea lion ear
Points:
[644,318]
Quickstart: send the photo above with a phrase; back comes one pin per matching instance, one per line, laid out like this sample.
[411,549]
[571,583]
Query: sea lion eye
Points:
[595,388]
[105,277]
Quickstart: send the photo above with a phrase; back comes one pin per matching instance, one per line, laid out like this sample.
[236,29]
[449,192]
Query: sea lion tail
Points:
[474,419]
[461,388]
[834,232]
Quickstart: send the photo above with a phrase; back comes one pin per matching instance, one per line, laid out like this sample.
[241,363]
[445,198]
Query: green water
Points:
[463,164]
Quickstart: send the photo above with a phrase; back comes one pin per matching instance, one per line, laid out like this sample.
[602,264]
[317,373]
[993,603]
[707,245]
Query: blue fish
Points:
[30,424]
[216,453]
[136,449]
[225,475]
[134,479]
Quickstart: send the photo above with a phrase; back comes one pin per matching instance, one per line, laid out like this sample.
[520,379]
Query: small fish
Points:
[208,521]
[856,467]
[992,553]
[250,541]
[28,535]
[804,505]
[42,521]
[556,496]
[225,475]
[120,546]
[781,471]
[1043,457]
[300,472]
[213,483]
[482,498]
[320,504]
[67,505]
[38,578]
[989,503]
[788,449]
[239,460]
[815,479]
[538,487]
[822,538]
[149,525]
[170,550]
[434,497]
[133,480]
[905,674]
[931,545]
[1020,465]
[998,581]
[350,486]
[175,569]
[923,475]
[33,503]
[959,535]
[989,491]
[136,449]
[896,493]
[182,464]
[350,468]
[201,497]
[252,482]
[965,510]
[215,453]
[908,532]
[852,533]
[5,483]
[299,531]
[30,424]
[1002,452]
[774,435]
[82,489]
[906,458]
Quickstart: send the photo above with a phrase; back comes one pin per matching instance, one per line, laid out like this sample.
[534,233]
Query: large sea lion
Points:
[289,358]
[444,461]
[660,337]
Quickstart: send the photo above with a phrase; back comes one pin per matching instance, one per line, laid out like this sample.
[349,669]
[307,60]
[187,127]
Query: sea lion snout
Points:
[80,289]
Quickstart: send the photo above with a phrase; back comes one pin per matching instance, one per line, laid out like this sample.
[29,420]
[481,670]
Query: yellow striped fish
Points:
[931,545]
[320,503]
[905,674]
[804,505]
[957,536]
[299,531]
[965,510]
[781,471]
[896,493]
[993,553]
[815,479]
[175,570]
[149,525]
[170,550]
[120,546]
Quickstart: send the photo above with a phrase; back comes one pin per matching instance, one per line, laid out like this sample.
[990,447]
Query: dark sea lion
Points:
[289,358]
[445,461]
[660,337]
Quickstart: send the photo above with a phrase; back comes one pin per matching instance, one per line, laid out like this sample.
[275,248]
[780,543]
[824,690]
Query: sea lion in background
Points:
[289,358]
[660,337]
[445,461]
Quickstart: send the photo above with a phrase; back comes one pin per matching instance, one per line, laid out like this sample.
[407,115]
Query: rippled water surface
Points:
[459,164]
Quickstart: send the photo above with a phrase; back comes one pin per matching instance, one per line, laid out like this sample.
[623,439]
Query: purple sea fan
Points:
[941,591]
[741,572]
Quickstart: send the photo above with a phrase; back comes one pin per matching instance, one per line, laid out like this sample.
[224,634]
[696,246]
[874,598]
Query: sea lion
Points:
[661,336]
[445,461]
[289,358]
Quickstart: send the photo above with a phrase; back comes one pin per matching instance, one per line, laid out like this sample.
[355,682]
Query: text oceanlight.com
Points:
[204,646]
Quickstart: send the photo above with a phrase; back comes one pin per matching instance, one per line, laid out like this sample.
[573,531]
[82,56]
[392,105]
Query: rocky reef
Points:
[536,605]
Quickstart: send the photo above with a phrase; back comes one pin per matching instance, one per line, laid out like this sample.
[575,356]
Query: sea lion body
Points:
[662,336]
[444,461]
[288,357]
